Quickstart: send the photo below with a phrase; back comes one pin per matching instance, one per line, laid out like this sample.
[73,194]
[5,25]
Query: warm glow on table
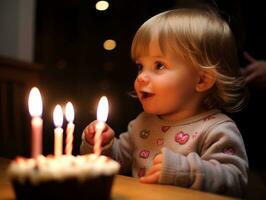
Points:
[125,188]
[128,188]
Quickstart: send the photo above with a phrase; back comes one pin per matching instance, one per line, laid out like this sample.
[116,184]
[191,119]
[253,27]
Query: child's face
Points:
[165,85]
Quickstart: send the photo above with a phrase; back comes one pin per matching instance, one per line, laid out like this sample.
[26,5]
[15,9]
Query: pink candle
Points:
[70,128]
[58,131]
[35,109]
[102,114]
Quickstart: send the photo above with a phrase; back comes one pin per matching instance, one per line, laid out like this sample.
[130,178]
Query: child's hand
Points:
[107,134]
[154,173]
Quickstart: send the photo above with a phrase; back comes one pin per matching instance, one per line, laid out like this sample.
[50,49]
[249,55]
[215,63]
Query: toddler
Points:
[188,74]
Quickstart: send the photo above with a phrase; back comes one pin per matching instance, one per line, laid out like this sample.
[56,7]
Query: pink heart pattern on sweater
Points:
[181,137]
[160,141]
[165,128]
[144,154]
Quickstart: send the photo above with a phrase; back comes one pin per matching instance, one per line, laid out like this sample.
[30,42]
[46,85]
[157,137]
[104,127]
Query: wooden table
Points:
[125,188]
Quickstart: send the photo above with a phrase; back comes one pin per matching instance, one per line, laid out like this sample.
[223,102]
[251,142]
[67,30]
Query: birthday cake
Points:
[65,177]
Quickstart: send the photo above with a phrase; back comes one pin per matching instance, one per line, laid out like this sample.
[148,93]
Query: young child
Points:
[187,74]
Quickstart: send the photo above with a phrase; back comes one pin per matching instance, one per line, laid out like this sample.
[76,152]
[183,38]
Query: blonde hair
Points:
[202,39]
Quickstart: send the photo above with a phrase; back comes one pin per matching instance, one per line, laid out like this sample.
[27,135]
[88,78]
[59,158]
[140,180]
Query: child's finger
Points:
[153,178]
[107,136]
[154,169]
[158,159]
[89,133]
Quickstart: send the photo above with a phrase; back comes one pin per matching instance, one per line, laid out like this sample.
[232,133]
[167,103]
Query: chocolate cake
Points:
[64,177]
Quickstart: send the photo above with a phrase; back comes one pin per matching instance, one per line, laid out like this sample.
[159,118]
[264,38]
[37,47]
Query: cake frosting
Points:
[60,168]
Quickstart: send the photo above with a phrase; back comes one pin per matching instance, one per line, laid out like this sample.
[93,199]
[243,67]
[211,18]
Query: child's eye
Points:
[159,66]
[139,67]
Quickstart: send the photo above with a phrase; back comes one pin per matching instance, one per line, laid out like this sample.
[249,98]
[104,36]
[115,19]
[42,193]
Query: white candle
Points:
[58,131]
[102,114]
[70,128]
[35,109]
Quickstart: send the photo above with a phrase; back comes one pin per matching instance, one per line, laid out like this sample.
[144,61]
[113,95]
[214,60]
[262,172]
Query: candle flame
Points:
[70,112]
[102,109]
[58,116]
[35,102]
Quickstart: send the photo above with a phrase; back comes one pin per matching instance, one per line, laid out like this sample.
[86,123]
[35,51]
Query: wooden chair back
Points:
[16,79]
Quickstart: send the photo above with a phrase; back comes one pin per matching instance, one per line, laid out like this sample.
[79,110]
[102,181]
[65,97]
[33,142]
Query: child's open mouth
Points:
[145,95]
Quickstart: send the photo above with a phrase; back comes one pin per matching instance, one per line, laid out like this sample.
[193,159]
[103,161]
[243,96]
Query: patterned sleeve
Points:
[122,150]
[220,166]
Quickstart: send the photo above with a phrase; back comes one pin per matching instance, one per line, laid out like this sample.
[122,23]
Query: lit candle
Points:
[58,131]
[102,114]
[70,128]
[35,109]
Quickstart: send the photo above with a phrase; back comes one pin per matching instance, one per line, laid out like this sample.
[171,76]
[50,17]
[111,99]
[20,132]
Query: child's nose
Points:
[143,78]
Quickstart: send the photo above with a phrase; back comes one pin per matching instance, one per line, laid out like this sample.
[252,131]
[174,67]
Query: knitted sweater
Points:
[205,152]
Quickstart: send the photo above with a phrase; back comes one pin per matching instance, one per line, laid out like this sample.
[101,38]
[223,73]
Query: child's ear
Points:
[207,78]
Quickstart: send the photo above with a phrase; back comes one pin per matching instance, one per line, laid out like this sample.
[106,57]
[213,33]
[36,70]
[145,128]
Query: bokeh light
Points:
[102,5]
[109,44]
